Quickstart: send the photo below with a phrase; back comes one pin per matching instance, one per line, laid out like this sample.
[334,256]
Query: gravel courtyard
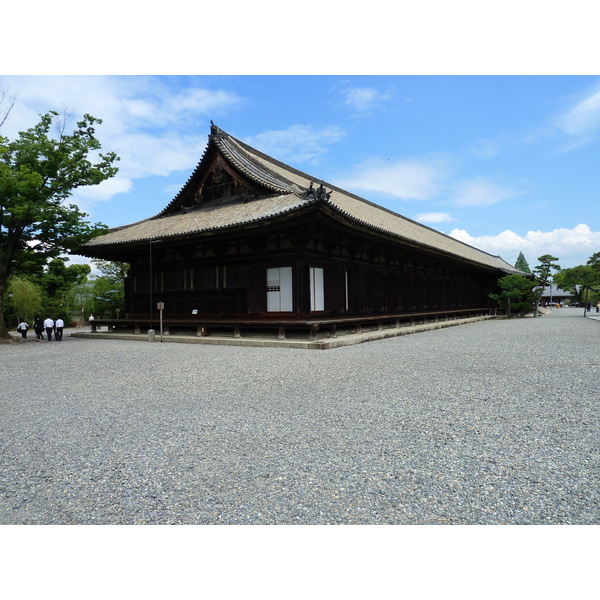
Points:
[487,423]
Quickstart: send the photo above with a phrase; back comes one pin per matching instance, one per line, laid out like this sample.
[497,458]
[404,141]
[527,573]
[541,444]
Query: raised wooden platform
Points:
[317,333]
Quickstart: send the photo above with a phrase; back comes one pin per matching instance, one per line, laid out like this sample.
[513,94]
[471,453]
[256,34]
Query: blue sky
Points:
[505,163]
[477,119]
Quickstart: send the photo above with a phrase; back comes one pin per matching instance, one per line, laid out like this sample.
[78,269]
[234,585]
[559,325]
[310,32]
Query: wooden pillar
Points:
[301,283]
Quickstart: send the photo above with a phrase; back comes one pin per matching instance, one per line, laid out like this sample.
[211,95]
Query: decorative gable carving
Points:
[219,183]
[223,183]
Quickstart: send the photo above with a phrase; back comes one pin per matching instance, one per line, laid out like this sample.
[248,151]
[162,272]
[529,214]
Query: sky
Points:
[504,163]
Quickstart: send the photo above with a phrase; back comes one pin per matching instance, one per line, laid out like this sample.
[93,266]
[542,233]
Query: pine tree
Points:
[522,264]
[542,274]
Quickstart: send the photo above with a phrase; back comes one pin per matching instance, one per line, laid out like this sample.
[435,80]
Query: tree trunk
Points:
[3,329]
[536,309]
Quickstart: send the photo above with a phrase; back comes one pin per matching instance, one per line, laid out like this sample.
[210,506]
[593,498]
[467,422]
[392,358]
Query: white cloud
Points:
[489,148]
[571,246]
[297,143]
[86,197]
[434,217]
[583,118]
[364,99]
[105,190]
[144,154]
[480,191]
[124,103]
[199,100]
[579,124]
[155,128]
[403,179]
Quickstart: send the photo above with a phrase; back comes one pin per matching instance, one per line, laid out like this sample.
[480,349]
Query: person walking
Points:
[59,329]
[22,328]
[38,327]
[49,325]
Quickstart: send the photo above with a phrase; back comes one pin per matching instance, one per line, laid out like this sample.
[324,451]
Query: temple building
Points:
[250,244]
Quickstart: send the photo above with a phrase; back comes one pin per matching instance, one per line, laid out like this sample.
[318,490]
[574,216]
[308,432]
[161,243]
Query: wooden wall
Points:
[363,273]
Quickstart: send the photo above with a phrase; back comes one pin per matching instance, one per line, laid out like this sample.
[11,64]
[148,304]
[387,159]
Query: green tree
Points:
[25,297]
[116,271]
[515,294]
[593,286]
[575,280]
[522,264]
[80,298]
[582,280]
[57,281]
[38,173]
[109,288]
[542,274]
[594,263]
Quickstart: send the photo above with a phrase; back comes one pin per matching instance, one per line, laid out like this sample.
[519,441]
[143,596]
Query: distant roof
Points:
[552,290]
[284,190]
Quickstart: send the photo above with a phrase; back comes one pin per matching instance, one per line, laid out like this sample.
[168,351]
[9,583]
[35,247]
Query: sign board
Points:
[160,305]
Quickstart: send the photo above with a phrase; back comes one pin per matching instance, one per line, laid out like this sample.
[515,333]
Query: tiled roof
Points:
[231,213]
[287,188]
[552,290]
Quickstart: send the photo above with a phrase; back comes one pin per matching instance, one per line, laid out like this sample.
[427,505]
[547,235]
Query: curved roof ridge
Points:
[253,170]
[268,158]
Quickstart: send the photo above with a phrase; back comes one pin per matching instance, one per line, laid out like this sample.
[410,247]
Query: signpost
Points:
[160,306]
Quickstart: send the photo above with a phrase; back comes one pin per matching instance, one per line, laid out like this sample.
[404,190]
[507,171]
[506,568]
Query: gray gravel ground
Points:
[487,423]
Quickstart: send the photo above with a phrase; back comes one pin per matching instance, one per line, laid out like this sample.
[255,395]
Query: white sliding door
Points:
[279,289]
[317,294]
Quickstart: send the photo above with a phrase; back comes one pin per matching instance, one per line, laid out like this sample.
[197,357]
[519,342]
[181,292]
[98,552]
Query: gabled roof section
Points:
[229,169]
[261,188]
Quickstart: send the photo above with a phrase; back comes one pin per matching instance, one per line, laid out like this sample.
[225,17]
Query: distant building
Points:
[250,242]
[553,294]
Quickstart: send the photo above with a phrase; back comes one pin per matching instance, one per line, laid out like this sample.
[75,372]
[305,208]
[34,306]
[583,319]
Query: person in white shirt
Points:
[59,329]
[22,328]
[49,325]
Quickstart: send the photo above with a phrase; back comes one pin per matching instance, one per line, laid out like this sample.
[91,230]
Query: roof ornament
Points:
[214,130]
[310,193]
[217,174]
[317,194]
